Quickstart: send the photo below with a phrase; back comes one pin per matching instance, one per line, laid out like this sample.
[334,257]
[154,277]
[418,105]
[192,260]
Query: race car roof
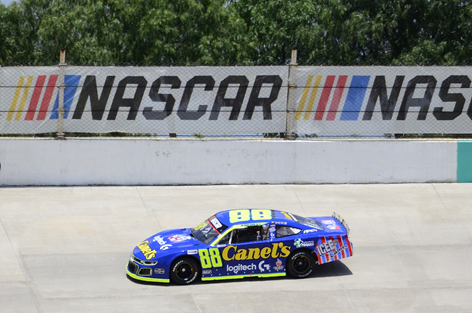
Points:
[250,216]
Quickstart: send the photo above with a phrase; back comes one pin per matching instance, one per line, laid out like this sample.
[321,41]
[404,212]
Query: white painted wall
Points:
[169,162]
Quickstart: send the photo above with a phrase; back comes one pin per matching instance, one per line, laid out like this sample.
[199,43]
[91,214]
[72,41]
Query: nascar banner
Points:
[237,100]
[376,100]
[201,100]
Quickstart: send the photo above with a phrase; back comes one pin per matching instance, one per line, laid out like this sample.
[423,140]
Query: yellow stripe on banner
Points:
[312,97]
[15,98]
[23,99]
[243,276]
[304,96]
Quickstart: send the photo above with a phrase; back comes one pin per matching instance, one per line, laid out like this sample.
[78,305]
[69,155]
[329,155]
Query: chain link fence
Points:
[288,101]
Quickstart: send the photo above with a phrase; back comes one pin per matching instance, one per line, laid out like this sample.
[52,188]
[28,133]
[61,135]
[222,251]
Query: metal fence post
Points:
[289,135]
[62,86]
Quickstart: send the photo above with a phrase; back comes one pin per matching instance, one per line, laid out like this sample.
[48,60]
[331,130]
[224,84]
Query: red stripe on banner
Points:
[35,98]
[47,97]
[349,246]
[324,97]
[341,243]
[335,255]
[338,93]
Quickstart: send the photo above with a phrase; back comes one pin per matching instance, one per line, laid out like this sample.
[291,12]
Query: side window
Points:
[284,231]
[246,234]
[242,235]
[225,239]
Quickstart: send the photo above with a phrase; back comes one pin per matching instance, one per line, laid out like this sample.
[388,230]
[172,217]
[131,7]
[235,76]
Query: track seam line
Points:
[24,270]
[342,286]
[194,301]
[298,199]
[149,212]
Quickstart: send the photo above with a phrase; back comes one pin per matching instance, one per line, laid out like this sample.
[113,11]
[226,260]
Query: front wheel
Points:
[184,271]
[300,264]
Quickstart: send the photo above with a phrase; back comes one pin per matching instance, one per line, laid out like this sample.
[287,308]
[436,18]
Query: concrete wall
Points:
[169,162]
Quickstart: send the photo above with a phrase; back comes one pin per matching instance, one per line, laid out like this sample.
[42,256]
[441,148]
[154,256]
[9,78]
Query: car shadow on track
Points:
[332,269]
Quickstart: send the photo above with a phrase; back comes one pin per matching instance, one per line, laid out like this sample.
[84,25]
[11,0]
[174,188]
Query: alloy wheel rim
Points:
[301,264]
[184,271]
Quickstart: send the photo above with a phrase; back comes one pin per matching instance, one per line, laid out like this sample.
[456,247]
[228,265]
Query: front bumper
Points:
[144,272]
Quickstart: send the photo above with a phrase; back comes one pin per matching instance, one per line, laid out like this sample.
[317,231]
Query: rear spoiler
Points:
[342,221]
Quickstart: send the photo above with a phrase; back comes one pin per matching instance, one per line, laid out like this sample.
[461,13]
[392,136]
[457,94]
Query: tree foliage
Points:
[237,32]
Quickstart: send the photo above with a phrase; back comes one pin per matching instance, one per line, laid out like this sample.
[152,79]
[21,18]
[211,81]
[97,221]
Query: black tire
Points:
[300,264]
[184,271]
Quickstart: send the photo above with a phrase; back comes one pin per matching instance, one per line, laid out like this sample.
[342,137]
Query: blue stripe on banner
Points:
[72,82]
[354,98]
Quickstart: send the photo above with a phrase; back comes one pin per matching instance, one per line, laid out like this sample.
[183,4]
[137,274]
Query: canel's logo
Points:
[41,91]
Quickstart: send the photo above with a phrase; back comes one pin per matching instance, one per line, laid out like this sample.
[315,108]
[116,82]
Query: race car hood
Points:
[181,239]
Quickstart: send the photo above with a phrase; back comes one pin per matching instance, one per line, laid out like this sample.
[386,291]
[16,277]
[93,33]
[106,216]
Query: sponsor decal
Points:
[165,247]
[333,248]
[192,251]
[231,253]
[281,223]
[216,223]
[262,266]
[241,267]
[278,265]
[328,222]
[310,231]
[332,253]
[272,232]
[146,250]
[178,238]
[327,247]
[333,227]
[206,272]
[236,216]
[210,258]
[159,270]
[251,224]
[300,243]
[160,240]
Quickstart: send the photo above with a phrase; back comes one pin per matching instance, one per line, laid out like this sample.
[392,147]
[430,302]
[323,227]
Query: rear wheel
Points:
[184,271]
[300,264]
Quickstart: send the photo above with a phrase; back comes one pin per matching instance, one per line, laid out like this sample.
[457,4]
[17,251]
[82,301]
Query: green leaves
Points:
[237,32]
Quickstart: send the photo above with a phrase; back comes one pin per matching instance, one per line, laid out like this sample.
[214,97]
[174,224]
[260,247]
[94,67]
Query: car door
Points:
[248,252]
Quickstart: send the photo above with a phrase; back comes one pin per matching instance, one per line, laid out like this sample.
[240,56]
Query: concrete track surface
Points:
[65,249]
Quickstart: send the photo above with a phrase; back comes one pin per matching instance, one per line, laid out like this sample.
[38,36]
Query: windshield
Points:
[205,232]
[308,222]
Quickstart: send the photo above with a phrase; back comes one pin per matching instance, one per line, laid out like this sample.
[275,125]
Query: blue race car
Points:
[241,243]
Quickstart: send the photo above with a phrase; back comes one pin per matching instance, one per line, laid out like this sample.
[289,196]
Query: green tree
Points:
[153,32]
[17,34]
